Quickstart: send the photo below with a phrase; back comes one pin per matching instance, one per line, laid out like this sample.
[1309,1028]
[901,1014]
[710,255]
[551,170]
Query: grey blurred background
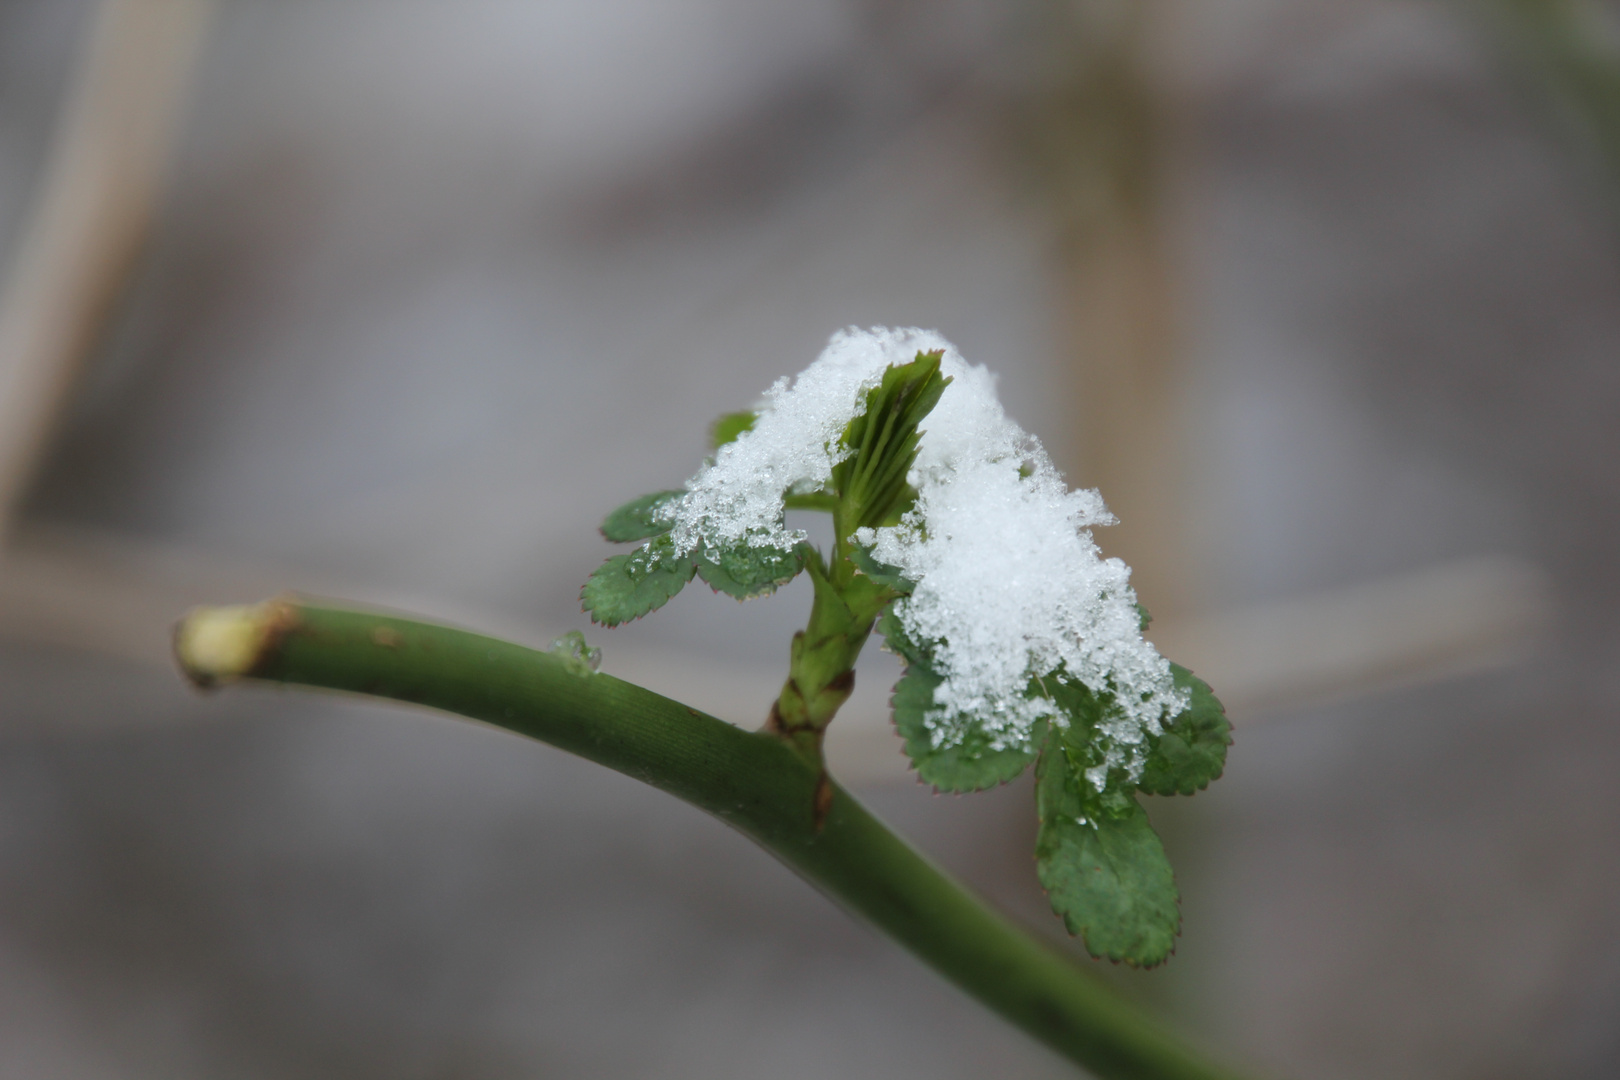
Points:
[394,300]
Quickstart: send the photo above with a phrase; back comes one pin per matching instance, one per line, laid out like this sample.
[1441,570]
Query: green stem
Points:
[821,667]
[752,781]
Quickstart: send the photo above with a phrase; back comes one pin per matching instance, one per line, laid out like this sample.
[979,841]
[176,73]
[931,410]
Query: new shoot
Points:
[959,541]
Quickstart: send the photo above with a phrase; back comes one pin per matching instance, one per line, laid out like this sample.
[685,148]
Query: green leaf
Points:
[728,427]
[880,572]
[640,518]
[898,642]
[1079,704]
[1107,877]
[871,481]
[1192,750]
[746,572]
[1086,711]
[631,585]
[969,766]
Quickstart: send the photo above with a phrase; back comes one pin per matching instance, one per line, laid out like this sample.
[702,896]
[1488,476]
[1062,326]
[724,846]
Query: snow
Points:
[793,446]
[1010,585]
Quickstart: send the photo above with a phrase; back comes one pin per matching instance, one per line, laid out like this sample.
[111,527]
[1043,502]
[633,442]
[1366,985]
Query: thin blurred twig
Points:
[1099,128]
[111,596]
[89,216]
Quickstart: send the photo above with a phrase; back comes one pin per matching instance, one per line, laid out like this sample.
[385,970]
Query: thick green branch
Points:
[751,780]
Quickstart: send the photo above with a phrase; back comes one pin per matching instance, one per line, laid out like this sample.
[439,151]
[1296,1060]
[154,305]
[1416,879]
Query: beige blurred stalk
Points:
[1101,130]
[91,212]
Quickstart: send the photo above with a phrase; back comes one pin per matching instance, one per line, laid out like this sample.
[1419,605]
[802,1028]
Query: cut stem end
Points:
[217,645]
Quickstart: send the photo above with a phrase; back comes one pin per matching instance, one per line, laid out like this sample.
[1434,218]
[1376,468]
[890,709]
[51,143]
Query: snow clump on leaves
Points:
[1010,598]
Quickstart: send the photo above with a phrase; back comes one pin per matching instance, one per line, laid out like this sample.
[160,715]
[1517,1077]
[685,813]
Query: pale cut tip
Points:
[216,645]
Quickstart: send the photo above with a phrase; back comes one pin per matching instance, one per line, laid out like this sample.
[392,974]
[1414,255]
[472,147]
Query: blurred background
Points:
[394,300]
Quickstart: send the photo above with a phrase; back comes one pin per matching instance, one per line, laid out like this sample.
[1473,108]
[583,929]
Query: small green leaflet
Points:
[650,515]
[746,572]
[1192,750]
[971,765]
[896,641]
[880,572]
[1107,877]
[631,585]
[1097,855]
[728,427]
[1084,711]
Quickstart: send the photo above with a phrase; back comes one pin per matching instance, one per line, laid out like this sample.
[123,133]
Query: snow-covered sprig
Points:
[1021,643]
